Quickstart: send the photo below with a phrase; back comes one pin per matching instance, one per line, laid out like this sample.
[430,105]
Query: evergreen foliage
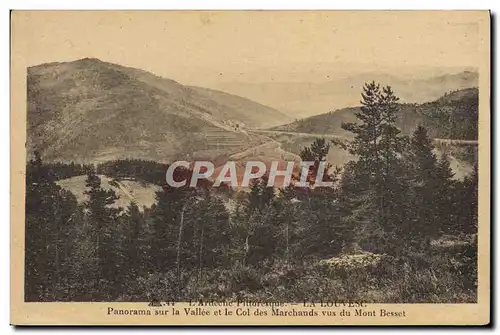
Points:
[396,203]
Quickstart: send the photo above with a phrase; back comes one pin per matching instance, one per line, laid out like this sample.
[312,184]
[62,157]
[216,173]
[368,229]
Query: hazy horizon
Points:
[415,73]
[204,48]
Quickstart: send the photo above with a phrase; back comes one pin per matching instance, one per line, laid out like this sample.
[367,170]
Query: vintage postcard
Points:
[250,167]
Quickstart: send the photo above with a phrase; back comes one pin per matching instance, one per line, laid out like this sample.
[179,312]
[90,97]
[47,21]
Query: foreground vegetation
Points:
[395,228]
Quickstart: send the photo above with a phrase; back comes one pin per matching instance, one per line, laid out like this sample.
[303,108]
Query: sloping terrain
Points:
[461,158]
[248,112]
[452,116]
[143,194]
[91,111]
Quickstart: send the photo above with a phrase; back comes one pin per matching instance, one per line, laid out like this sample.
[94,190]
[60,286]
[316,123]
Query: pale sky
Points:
[203,47]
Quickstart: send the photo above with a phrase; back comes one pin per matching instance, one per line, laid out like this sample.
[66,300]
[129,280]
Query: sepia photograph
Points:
[263,164]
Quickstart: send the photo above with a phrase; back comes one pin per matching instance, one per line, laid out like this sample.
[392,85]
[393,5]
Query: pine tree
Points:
[211,233]
[444,189]
[169,213]
[49,214]
[171,231]
[316,152]
[422,156]
[83,272]
[102,218]
[423,222]
[258,240]
[378,146]
[323,234]
[465,201]
[287,219]
[133,232]
[471,191]
[260,195]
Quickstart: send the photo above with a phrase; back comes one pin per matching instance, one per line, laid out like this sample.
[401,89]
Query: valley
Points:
[89,111]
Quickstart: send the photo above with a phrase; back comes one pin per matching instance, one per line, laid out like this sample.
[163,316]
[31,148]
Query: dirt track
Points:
[444,141]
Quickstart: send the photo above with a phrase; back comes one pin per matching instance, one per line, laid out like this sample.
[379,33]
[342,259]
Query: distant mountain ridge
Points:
[304,99]
[89,111]
[454,115]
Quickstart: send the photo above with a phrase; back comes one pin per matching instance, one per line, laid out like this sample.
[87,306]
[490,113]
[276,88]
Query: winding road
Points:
[443,141]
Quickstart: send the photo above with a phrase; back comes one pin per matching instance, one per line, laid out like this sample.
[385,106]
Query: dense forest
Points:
[396,227]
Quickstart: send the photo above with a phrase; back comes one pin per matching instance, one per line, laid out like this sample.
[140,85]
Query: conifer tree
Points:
[320,217]
[444,189]
[316,152]
[287,218]
[258,241]
[211,233]
[102,218]
[133,231]
[378,146]
[423,222]
[50,212]
[171,230]
[168,225]
[469,197]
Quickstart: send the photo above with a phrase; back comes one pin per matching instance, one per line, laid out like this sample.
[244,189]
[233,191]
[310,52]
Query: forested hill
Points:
[90,111]
[454,115]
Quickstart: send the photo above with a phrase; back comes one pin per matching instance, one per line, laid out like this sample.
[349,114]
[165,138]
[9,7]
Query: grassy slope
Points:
[89,111]
[460,162]
[250,113]
[127,190]
[451,116]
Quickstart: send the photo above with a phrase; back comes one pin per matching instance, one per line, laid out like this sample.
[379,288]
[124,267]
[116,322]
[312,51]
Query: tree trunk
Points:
[179,242]
[287,243]
[200,257]
[247,249]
